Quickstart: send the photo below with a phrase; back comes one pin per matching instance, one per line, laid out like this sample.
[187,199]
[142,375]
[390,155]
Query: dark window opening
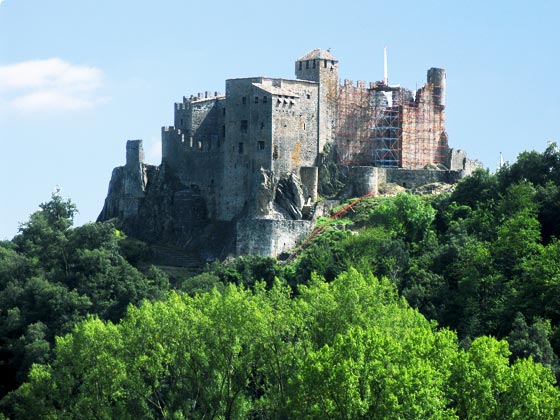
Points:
[308,96]
[256,99]
[181,122]
[325,64]
[240,147]
[244,100]
[307,64]
[300,65]
[260,145]
[223,111]
[275,153]
[314,63]
[262,125]
[244,126]
[265,99]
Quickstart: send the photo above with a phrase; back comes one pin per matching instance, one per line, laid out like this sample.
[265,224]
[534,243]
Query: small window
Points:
[325,63]
[275,154]
[307,64]
[256,99]
[308,96]
[244,100]
[300,65]
[244,126]
[265,99]
[181,122]
[260,145]
[223,111]
[240,148]
[262,125]
[314,63]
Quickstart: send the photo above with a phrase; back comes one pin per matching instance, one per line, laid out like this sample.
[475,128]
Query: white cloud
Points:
[52,84]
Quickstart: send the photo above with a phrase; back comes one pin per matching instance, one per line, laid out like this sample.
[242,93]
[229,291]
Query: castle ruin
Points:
[245,168]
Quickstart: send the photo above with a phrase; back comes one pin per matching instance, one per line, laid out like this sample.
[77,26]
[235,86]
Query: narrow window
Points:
[244,126]
[244,100]
[223,111]
[240,148]
[265,99]
[307,64]
[262,125]
[275,154]
[325,63]
[260,145]
[314,63]
[308,96]
[181,122]
[300,65]
[256,99]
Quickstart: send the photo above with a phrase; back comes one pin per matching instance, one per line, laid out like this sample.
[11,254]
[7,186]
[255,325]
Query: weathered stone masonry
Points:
[243,168]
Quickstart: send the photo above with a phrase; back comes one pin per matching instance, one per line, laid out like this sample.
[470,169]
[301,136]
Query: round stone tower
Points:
[436,78]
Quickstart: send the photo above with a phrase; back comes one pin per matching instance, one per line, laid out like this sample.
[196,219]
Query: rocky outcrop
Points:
[128,185]
[290,196]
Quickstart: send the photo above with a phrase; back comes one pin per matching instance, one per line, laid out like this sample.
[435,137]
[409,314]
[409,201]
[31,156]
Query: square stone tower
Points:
[320,66]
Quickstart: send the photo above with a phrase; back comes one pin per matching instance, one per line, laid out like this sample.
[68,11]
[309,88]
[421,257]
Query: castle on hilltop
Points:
[246,168]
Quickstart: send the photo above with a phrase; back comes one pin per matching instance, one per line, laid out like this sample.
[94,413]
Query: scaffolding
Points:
[384,126]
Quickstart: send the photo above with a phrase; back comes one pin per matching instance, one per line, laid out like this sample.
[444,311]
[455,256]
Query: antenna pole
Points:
[385,72]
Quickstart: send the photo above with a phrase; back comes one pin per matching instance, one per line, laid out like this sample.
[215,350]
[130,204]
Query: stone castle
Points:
[242,173]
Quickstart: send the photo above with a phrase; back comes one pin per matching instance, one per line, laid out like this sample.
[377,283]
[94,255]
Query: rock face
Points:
[290,196]
[128,184]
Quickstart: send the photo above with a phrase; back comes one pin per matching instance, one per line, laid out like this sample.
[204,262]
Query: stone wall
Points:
[412,178]
[270,237]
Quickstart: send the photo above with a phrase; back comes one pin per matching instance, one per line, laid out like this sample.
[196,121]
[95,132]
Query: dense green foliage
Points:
[388,314]
[348,349]
[482,260]
[52,276]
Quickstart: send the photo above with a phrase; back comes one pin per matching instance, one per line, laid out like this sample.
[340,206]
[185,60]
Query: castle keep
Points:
[246,168]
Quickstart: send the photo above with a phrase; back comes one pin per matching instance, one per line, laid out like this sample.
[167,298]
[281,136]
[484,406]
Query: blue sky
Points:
[79,78]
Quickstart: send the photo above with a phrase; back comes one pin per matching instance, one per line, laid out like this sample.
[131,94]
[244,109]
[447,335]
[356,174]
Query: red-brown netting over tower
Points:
[386,126]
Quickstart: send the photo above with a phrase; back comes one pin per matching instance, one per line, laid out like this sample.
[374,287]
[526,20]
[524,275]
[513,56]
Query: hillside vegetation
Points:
[436,307]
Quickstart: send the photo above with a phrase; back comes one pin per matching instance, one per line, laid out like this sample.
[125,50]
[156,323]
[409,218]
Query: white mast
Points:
[385,72]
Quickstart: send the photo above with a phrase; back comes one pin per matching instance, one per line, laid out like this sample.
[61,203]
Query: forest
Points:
[442,306]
